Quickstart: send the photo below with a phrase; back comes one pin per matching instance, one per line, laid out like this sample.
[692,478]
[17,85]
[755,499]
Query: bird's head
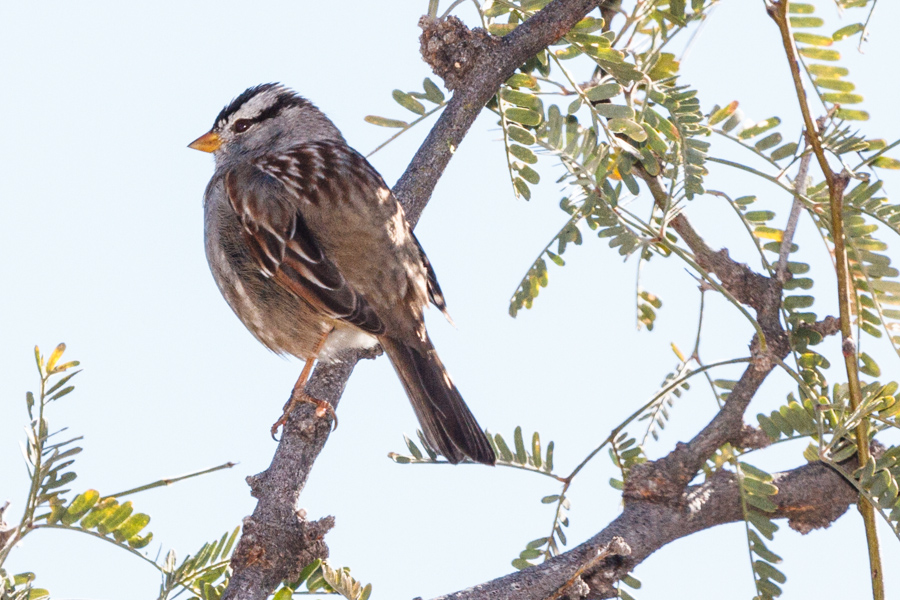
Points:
[267,118]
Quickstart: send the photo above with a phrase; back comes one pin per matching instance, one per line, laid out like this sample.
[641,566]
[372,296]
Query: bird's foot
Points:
[323,409]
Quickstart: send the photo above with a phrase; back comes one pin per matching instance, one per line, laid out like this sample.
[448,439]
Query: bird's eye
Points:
[241,125]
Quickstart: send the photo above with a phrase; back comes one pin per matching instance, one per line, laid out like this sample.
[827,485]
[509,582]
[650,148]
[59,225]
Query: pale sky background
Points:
[101,247]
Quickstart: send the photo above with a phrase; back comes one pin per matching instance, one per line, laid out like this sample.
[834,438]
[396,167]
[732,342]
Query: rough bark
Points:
[810,496]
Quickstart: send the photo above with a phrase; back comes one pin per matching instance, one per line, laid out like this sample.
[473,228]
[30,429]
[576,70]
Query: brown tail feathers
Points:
[447,422]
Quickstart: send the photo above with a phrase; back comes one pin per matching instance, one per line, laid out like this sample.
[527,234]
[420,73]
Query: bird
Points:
[313,253]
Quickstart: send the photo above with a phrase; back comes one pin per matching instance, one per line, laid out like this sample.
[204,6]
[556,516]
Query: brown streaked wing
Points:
[289,254]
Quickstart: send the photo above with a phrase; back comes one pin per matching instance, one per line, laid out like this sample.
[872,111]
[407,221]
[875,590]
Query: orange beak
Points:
[208,142]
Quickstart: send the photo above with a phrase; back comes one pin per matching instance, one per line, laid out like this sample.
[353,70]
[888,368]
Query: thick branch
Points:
[665,478]
[749,287]
[810,497]
[277,540]
[491,68]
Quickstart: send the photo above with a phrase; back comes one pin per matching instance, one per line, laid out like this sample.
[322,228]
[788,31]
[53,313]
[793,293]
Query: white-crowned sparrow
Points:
[314,254]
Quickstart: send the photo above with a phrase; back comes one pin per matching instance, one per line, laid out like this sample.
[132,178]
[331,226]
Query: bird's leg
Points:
[298,394]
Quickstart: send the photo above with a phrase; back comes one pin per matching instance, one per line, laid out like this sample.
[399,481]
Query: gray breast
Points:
[278,319]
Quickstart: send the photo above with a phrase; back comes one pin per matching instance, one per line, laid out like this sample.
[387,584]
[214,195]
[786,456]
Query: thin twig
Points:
[837,183]
[800,185]
[170,481]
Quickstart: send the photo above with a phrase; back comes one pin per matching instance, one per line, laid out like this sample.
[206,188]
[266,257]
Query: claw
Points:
[323,409]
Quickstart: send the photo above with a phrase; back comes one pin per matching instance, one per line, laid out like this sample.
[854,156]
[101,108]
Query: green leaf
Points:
[432,92]
[762,523]
[101,510]
[813,39]
[408,102]
[522,80]
[884,162]
[852,115]
[820,53]
[845,32]
[588,25]
[760,488]
[548,461]
[63,392]
[524,116]
[760,503]
[795,302]
[768,571]
[523,154]
[521,135]
[522,188]
[754,472]
[768,588]
[759,128]
[785,151]
[759,216]
[567,53]
[522,99]
[828,71]
[413,449]
[801,22]
[834,84]
[603,92]
[628,127]
[117,518]
[284,593]
[66,478]
[798,268]
[54,357]
[768,233]
[528,174]
[521,455]
[550,499]
[537,543]
[869,366]
[769,427]
[842,98]
[57,385]
[536,439]
[80,506]
[307,571]
[723,113]
[505,453]
[770,141]
[384,122]
[798,8]
[530,554]
[615,111]
[649,161]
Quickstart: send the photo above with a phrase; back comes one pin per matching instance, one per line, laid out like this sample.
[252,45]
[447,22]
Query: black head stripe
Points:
[238,102]
[284,99]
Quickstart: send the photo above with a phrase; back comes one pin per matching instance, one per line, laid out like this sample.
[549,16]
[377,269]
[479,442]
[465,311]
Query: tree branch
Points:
[659,505]
[810,497]
[277,540]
